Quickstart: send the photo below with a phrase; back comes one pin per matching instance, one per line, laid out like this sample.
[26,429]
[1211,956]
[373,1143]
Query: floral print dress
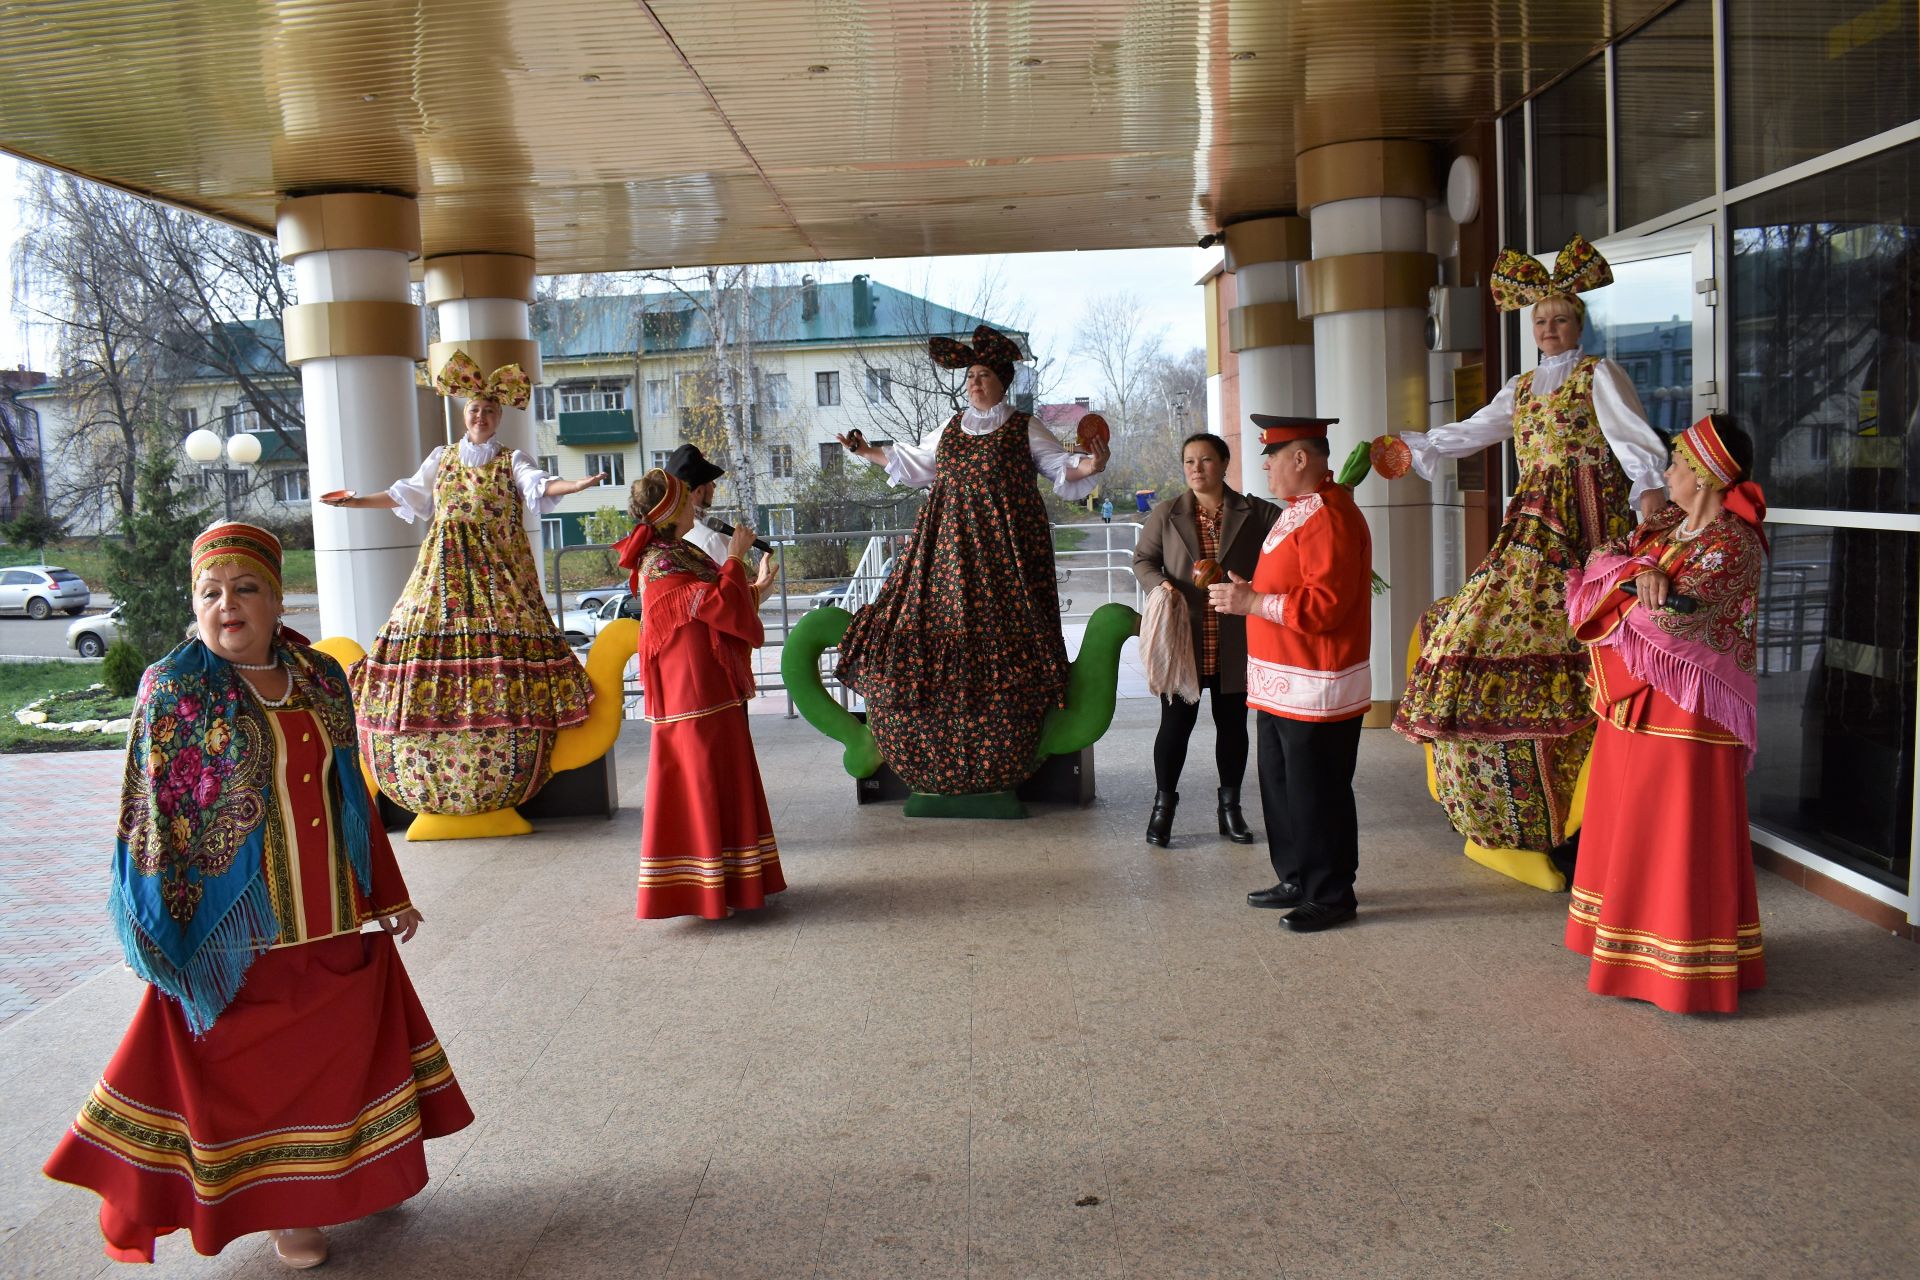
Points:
[960,656]
[469,680]
[1499,688]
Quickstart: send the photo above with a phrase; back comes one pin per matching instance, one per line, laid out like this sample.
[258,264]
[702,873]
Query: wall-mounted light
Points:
[1245,55]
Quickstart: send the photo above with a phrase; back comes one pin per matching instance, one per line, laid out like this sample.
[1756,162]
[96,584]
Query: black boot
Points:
[1232,825]
[1160,824]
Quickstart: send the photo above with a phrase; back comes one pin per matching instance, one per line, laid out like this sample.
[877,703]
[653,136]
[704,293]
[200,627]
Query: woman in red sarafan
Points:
[706,844]
[1663,894]
[279,1074]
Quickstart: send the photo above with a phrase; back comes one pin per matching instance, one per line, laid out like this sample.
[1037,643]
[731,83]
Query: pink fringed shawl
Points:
[1704,660]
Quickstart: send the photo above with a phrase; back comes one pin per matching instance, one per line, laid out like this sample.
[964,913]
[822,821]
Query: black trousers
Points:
[1306,794]
[1177,719]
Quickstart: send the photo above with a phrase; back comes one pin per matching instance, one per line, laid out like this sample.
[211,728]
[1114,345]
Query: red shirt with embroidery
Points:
[1308,642]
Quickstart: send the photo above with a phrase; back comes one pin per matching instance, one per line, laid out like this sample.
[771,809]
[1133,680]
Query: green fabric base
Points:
[985,804]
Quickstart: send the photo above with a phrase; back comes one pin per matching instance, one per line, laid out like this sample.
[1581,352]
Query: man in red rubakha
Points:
[1309,623]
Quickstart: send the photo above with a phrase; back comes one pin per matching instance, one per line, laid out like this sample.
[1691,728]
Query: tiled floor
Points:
[57,815]
[1042,1049]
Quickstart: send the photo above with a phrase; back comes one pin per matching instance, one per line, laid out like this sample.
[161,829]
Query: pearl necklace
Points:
[265,701]
[255,666]
[1683,534]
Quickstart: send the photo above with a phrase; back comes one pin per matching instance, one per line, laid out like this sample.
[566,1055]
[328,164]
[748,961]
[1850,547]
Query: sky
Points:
[1045,291]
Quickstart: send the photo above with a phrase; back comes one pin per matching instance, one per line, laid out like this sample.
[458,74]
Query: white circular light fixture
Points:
[244,449]
[202,445]
[1463,189]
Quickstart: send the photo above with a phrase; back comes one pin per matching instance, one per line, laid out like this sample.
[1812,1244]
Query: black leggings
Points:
[1177,719]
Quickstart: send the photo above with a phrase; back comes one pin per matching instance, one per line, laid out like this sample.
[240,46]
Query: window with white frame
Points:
[550,463]
[236,419]
[879,386]
[780,461]
[774,391]
[543,404]
[780,522]
[826,388]
[613,465]
[660,457]
[187,419]
[593,399]
[553,533]
[659,396]
[290,486]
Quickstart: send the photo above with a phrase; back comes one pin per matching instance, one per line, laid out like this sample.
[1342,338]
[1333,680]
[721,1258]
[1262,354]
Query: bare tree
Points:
[1114,337]
[902,394]
[73,269]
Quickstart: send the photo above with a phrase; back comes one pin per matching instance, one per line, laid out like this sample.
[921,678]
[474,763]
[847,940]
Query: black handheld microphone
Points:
[725,530]
[1677,603]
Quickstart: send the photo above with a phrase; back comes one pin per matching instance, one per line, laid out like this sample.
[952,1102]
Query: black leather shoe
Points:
[1284,894]
[1160,822]
[1315,916]
[1232,825]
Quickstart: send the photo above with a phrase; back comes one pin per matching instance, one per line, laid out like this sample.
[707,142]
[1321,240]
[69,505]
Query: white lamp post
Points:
[204,447]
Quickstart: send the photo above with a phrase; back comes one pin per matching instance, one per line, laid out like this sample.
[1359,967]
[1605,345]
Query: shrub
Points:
[122,669]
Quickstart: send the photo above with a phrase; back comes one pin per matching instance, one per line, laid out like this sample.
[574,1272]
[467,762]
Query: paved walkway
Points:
[57,817]
[1042,1049]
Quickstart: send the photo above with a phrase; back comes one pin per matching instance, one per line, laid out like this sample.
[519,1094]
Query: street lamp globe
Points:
[244,449]
[203,445]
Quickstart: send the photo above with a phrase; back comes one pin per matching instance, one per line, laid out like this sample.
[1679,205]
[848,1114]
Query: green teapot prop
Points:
[1092,684]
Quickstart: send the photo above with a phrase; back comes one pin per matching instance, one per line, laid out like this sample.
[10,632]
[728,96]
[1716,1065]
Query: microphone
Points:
[725,530]
[1677,603]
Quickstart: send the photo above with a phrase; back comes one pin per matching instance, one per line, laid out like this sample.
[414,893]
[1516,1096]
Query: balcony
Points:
[598,426]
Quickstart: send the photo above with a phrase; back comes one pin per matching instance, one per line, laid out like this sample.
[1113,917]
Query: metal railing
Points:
[1093,565]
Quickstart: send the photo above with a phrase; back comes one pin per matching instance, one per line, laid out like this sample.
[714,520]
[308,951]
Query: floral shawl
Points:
[1704,660]
[189,897]
[679,579]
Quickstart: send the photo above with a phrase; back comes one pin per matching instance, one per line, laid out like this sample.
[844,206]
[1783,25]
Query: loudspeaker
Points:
[1453,318]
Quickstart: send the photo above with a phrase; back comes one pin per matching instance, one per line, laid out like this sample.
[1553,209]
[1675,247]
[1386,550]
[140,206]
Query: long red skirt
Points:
[303,1106]
[707,842]
[1663,896]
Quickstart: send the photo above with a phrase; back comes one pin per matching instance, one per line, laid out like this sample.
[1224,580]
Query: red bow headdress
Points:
[1520,281]
[1707,456]
[663,514]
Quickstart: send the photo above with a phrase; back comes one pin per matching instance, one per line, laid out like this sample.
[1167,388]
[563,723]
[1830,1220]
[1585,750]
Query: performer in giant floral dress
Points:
[279,1074]
[706,842]
[960,656]
[469,680]
[1663,896]
[1497,688]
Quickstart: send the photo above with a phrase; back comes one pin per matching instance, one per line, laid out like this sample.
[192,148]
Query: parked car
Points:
[594,597]
[580,626]
[37,590]
[92,636]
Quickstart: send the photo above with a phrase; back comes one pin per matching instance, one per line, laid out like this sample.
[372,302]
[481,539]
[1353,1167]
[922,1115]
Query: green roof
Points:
[578,328]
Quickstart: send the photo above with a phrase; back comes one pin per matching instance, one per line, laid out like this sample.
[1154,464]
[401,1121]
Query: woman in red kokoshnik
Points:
[279,1074]
[1663,894]
[706,843]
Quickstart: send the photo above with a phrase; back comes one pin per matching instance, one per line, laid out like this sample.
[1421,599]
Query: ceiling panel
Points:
[608,134]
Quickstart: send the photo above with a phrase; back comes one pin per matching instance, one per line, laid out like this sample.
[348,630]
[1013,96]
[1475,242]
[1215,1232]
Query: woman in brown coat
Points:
[1208,522]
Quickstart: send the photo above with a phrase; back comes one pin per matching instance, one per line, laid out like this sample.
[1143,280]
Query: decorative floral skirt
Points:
[304,1105]
[459,771]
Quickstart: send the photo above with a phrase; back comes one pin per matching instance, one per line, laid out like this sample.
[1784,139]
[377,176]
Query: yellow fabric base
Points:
[469,826]
[1524,865]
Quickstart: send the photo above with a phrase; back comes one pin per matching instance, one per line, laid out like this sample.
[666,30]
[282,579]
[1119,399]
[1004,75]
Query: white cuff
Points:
[1274,609]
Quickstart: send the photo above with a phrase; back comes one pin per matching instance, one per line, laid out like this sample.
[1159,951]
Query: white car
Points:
[92,636]
[38,589]
[580,626]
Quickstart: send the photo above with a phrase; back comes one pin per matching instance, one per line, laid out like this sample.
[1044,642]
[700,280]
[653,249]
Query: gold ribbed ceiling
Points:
[609,134]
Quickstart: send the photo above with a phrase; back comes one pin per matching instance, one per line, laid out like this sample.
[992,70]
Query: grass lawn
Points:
[88,558]
[22,682]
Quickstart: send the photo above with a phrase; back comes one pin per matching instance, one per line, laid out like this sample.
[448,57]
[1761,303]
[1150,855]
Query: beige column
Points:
[1365,290]
[1274,345]
[484,304]
[355,337]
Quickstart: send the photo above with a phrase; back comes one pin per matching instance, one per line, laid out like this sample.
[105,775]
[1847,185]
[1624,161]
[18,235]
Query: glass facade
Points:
[1663,108]
[1826,323]
[1513,187]
[1804,79]
[1837,641]
[1570,159]
[1643,322]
